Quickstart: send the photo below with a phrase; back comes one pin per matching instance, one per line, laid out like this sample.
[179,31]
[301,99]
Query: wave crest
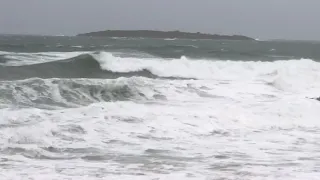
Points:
[109,65]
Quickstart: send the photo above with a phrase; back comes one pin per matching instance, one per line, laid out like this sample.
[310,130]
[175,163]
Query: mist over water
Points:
[124,108]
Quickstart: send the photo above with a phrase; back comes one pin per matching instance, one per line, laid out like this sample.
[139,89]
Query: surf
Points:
[281,74]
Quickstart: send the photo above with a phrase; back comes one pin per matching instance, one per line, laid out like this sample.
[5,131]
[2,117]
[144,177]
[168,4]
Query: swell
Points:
[83,66]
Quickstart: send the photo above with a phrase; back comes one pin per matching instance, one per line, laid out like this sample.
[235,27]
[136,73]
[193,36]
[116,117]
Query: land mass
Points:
[162,35]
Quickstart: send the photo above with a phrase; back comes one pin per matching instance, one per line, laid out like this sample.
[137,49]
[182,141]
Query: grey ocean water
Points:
[124,108]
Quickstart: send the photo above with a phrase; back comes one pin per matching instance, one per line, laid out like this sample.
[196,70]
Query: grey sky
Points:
[265,19]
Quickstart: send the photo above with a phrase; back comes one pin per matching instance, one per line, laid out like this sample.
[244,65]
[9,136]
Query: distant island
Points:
[162,35]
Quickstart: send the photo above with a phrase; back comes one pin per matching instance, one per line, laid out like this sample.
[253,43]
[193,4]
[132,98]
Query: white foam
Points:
[77,46]
[247,120]
[222,128]
[300,74]
[199,139]
[4,52]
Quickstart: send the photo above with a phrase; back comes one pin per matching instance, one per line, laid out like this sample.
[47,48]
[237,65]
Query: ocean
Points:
[121,108]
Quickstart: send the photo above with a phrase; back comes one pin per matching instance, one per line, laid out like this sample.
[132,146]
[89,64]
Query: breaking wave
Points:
[108,65]
[48,93]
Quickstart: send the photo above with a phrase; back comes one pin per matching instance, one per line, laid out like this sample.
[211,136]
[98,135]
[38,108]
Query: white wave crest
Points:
[20,59]
[207,69]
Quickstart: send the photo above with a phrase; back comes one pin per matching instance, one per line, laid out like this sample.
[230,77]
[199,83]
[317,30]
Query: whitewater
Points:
[150,109]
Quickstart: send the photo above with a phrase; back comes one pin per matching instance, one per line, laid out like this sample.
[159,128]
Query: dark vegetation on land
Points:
[163,35]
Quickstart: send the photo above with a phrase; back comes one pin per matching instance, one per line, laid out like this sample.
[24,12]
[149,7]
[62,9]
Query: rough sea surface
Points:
[120,108]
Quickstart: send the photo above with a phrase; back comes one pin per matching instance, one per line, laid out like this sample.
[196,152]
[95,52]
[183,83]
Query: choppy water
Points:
[119,108]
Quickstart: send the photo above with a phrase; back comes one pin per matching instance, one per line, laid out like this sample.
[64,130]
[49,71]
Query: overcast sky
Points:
[264,19]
